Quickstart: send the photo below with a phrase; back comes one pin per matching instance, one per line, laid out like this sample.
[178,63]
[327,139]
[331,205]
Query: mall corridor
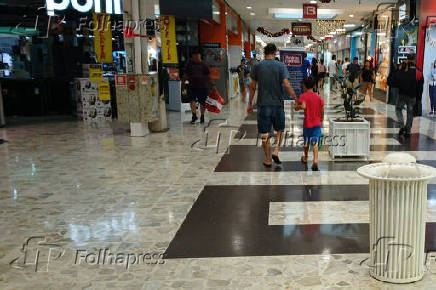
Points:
[132,137]
[220,220]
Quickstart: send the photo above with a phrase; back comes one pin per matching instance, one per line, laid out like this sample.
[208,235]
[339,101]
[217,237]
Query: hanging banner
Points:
[168,36]
[103,37]
[301,29]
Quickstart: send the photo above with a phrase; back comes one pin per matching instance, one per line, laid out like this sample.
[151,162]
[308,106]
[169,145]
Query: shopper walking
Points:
[367,78]
[313,106]
[321,71]
[353,72]
[340,73]
[241,74]
[333,73]
[198,74]
[269,76]
[432,89]
[315,73]
[345,65]
[407,85]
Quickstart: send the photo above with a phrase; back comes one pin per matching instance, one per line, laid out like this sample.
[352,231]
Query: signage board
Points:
[85,6]
[103,38]
[121,80]
[95,73]
[310,11]
[297,67]
[301,29]
[104,91]
[168,36]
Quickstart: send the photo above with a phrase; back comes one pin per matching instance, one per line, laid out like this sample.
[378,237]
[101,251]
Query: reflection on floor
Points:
[80,190]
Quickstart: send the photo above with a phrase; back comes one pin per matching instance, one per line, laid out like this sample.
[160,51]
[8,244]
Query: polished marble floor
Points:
[207,217]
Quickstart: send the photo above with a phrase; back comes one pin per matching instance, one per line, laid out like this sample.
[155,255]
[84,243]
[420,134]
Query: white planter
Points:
[353,138]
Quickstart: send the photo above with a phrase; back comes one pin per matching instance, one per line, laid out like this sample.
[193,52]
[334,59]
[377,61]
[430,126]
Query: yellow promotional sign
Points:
[168,37]
[95,73]
[104,91]
[103,37]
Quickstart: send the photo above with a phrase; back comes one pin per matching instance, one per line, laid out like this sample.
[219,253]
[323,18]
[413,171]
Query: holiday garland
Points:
[277,34]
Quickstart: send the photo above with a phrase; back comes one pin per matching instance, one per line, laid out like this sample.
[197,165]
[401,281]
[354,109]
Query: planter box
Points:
[354,138]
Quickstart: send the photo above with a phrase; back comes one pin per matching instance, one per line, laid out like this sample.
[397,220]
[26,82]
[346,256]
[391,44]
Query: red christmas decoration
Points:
[310,37]
[277,34]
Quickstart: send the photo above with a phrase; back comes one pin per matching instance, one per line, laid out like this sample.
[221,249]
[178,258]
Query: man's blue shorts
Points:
[312,135]
[270,115]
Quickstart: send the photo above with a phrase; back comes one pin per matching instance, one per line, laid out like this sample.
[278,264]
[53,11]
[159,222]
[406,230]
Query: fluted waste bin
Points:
[398,209]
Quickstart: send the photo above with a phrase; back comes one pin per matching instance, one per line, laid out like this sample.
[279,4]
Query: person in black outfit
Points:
[408,86]
[315,73]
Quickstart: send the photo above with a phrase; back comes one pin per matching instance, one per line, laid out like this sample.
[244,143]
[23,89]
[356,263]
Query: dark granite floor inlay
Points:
[232,221]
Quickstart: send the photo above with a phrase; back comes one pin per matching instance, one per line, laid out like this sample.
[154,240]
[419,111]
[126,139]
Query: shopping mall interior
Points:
[109,180]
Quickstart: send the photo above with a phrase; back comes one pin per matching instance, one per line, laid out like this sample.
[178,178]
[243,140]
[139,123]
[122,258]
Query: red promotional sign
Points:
[310,11]
[120,80]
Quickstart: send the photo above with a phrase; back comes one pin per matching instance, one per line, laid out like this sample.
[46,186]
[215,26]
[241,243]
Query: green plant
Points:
[352,99]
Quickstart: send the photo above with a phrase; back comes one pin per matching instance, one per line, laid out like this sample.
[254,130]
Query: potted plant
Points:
[352,130]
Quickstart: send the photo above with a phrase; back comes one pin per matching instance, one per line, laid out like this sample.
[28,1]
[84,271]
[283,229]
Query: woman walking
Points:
[315,73]
[432,90]
[321,74]
[367,78]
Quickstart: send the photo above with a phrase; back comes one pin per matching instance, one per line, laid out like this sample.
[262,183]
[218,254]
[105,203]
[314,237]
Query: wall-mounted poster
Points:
[297,66]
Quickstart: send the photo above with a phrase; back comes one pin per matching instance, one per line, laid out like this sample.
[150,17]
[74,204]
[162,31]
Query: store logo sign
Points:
[310,11]
[112,6]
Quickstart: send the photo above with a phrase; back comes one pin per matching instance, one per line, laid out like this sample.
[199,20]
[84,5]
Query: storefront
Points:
[383,48]
[405,38]
[426,55]
[42,58]
[342,45]
[357,44]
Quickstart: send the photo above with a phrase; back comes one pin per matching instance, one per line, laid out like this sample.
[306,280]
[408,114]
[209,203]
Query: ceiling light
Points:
[252,13]
[351,15]
[248,7]
[349,25]
[295,13]
[313,2]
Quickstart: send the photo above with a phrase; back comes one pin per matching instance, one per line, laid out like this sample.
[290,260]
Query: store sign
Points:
[310,11]
[301,29]
[168,38]
[85,6]
[103,39]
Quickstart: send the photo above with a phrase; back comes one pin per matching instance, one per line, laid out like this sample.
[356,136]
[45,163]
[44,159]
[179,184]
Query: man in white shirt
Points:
[345,66]
[333,72]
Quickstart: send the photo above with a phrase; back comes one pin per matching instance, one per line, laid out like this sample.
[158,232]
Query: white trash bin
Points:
[398,210]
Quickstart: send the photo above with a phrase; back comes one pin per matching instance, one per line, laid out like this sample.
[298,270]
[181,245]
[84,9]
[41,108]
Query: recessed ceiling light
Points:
[252,13]
[248,7]
[351,15]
